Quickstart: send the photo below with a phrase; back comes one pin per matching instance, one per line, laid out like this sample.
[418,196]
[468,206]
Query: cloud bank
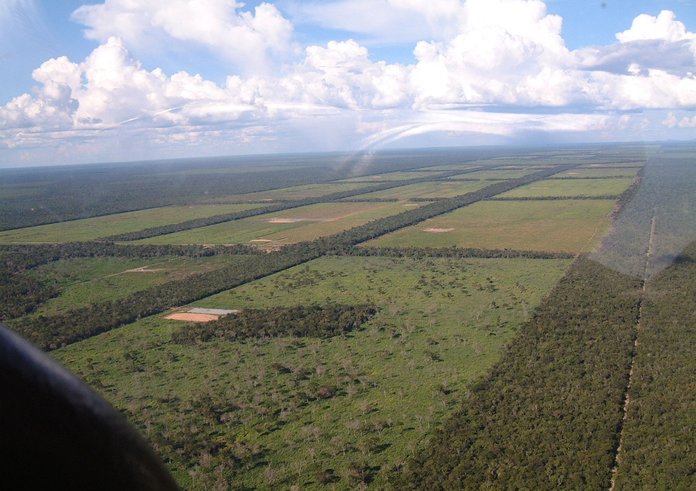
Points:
[497,67]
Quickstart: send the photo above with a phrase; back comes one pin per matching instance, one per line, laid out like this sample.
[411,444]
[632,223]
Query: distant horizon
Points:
[338,153]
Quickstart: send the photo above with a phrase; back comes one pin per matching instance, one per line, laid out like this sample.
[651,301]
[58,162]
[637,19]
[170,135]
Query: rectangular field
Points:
[86,281]
[424,190]
[273,230]
[570,187]
[293,192]
[599,172]
[554,226]
[392,176]
[119,223]
[442,324]
[497,174]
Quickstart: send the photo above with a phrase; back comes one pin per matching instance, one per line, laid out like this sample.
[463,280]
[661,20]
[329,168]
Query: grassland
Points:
[600,172]
[425,190]
[285,227]
[393,176]
[442,323]
[85,281]
[569,188]
[556,226]
[496,174]
[93,228]
[293,192]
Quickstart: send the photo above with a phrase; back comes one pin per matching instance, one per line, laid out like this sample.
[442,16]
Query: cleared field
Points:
[615,165]
[430,189]
[600,172]
[497,174]
[393,176]
[92,228]
[442,324]
[555,226]
[276,229]
[86,281]
[442,168]
[570,187]
[293,192]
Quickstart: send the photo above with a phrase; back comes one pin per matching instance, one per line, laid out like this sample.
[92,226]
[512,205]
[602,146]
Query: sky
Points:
[122,80]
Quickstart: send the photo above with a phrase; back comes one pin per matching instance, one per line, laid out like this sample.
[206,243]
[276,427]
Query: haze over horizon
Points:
[137,80]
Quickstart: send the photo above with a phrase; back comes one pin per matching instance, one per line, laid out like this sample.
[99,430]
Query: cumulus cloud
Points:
[498,67]
[244,37]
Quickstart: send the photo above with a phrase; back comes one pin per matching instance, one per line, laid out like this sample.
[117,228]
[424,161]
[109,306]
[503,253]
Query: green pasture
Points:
[554,225]
[119,223]
[570,187]
[442,324]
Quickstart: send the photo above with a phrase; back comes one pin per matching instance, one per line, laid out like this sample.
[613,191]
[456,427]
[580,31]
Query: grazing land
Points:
[288,409]
[294,192]
[286,227]
[496,174]
[551,188]
[425,190]
[82,282]
[556,226]
[398,176]
[580,172]
[120,223]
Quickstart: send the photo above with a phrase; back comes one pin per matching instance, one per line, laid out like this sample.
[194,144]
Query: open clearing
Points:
[425,190]
[285,227]
[496,174]
[570,187]
[442,324]
[86,281]
[189,317]
[120,223]
[293,192]
[393,176]
[600,172]
[555,226]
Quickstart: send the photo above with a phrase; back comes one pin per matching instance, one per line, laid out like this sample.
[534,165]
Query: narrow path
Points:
[634,352]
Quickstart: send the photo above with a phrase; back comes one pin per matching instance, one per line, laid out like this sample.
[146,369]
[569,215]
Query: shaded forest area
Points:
[321,321]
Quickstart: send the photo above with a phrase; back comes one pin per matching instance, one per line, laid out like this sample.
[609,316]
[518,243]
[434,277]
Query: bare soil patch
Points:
[437,230]
[189,317]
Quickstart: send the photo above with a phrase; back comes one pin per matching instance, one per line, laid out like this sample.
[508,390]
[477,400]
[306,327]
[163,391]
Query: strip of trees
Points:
[320,321]
[658,434]
[546,416]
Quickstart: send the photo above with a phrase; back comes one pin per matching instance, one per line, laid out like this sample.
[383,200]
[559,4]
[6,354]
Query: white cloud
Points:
[665,27]
[501,55]
[243,37]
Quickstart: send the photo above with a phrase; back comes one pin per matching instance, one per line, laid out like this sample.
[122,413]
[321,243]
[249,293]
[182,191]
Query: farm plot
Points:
[553,226]
[87,281]
[425,190]
[600,172]
[93,228]
[287,409]
[273,230]
[293,192]
[392,176]
[497,174]
[570,187]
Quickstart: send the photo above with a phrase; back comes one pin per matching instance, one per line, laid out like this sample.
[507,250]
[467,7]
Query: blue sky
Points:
[130,80]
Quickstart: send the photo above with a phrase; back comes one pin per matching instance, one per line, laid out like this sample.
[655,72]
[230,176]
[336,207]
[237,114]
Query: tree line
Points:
[453,252]
[320,321]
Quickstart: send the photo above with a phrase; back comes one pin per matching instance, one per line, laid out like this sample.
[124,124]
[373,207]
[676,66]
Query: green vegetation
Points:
[397,176]
[121,223]
[285,227]
[275,412]
[546,415]
[85,281]
[430,189]
[294,192]
[498,174]
[600,172]
[555,226]
[658,434]
[570,188]
[321,321]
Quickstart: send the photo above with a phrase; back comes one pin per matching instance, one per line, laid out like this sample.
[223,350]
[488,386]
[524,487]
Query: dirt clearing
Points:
[438,230]
[189,317]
